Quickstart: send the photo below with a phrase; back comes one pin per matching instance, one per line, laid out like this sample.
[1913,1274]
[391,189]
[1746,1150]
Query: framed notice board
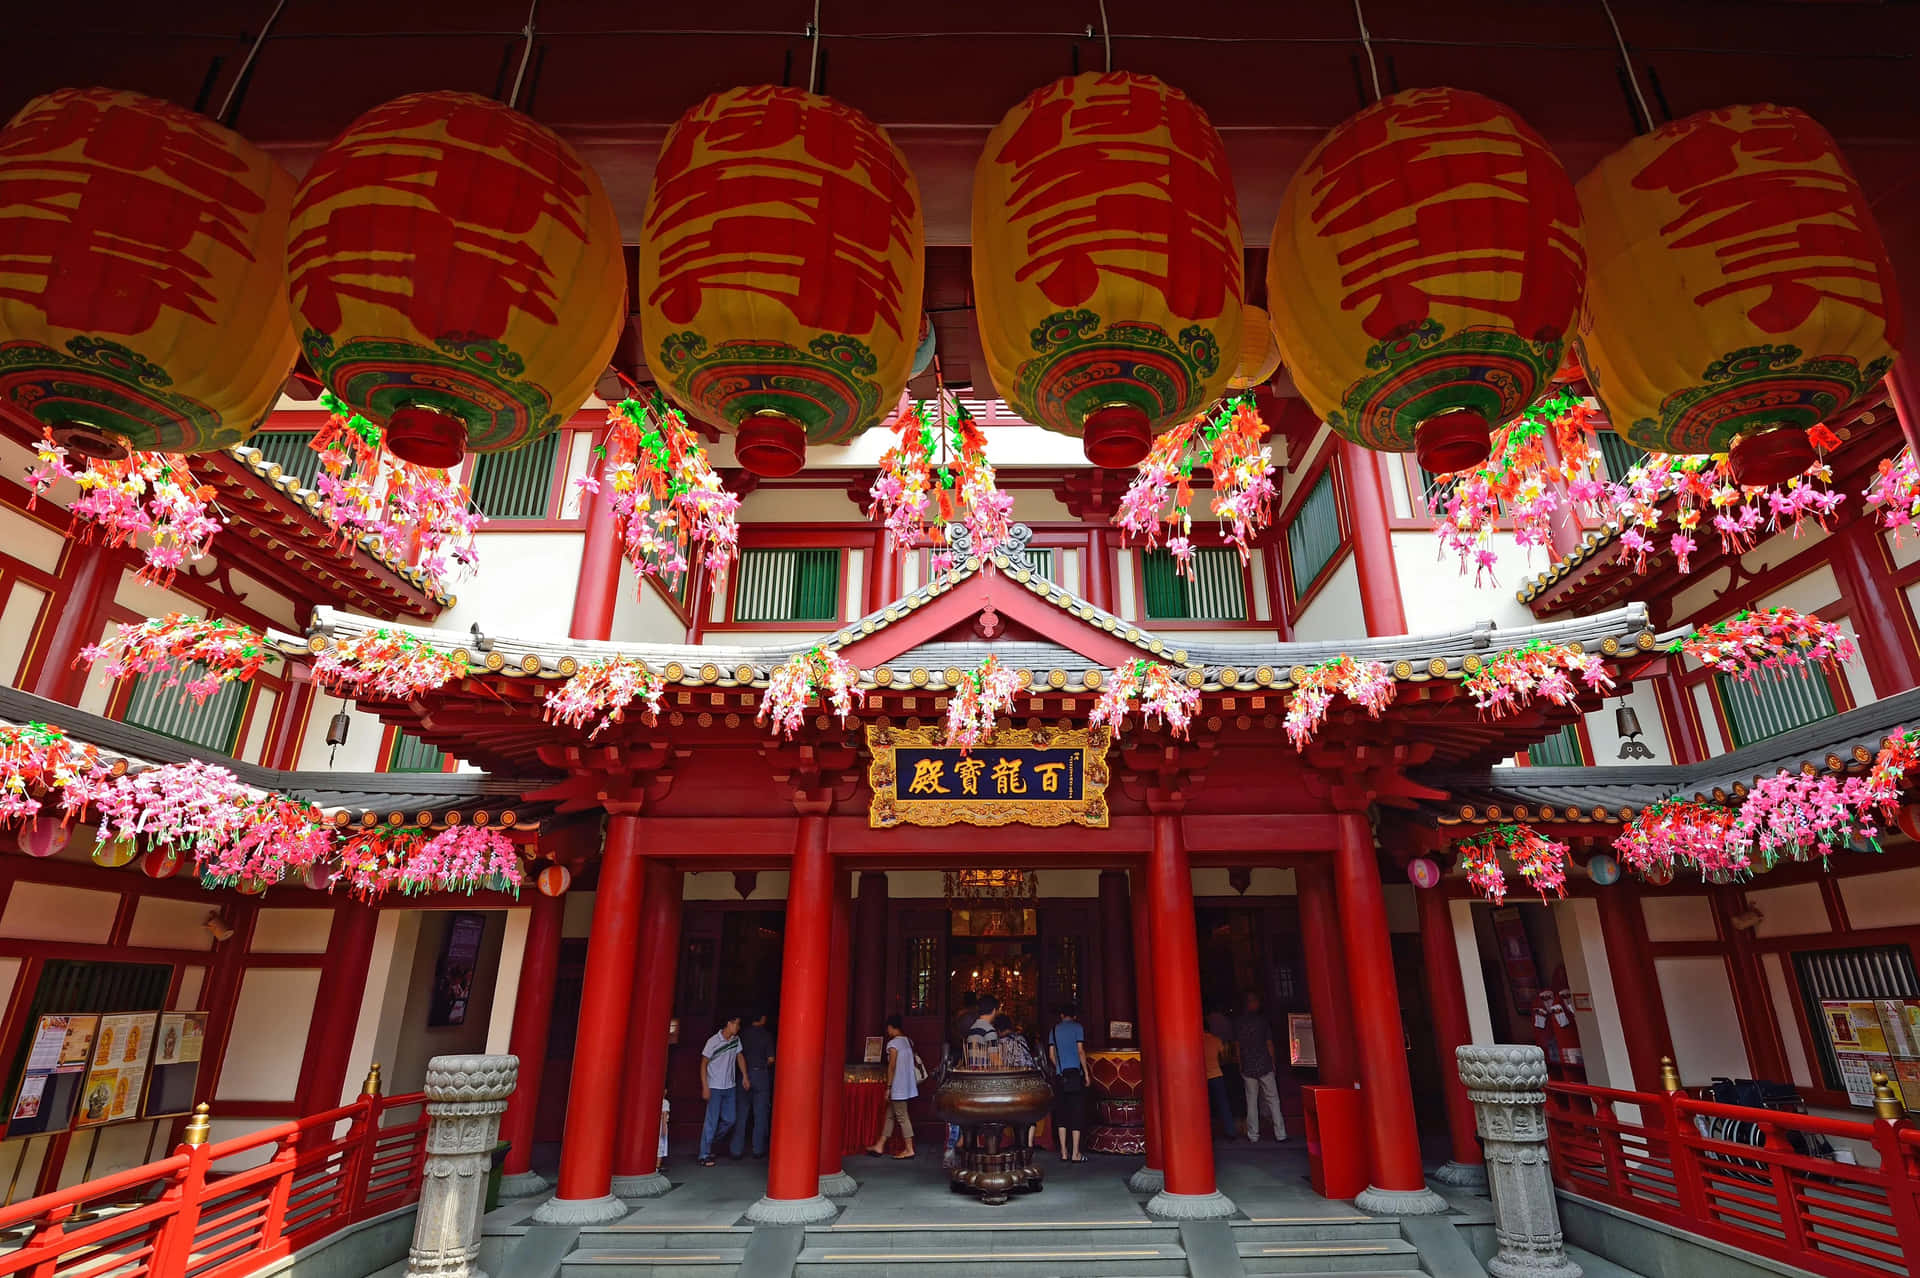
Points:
[117,1077]
[1301,1049]
[57,1058]
[177,1047]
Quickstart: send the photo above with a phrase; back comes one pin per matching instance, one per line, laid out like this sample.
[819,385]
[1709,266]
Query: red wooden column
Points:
[1372,544]
[585,1194]
[870,955]
[1643,1014]
[290,725]
[1327,993]
[1151,1176]
[598,588]
[1759,1025]
[1187,1146]
[793,1167]
[834,1181]
[1099,575]
[1877,608]
[91,573]
[1116,959]
[1676,716]
[636,1158]
[343,986]
[883,578]
[1903,388]
[1447,999]
[1399,1183]
[532,1019]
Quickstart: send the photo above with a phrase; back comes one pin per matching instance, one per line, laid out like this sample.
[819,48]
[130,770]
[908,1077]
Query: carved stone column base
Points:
[1147,1180]
[523,1185]
[1461,1175]
[792,1211]
[651,1185]
[580,1211]
[1507,1083]
[1214,1206]
[839,1185]
[1509,1264]
[465,1098]
[1400,1202]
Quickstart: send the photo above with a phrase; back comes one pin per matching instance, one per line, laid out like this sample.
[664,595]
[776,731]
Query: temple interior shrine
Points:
[1047,639]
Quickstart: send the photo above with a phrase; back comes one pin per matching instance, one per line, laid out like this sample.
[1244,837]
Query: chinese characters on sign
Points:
[1031,778]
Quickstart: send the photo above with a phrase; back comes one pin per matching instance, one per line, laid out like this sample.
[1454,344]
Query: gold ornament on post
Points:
[1885,1104]
[372,1086]
[200,1126]
[1669,1076]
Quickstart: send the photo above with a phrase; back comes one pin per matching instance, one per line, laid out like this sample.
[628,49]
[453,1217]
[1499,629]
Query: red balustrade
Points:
[185,1213]
[1646,1152]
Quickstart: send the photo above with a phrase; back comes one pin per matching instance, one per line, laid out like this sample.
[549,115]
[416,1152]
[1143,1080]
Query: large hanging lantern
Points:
[457,274]
[1107,266]
[1739,293]
[142,279]
[1259,353]
[782,264]
[1425,269]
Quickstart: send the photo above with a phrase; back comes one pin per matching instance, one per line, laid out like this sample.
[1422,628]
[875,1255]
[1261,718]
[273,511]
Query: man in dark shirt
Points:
[1253,1036]
[756,1048]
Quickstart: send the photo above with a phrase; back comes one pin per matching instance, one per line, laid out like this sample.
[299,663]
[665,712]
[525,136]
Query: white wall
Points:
[524,585]
[1700,1013]
[1335,612]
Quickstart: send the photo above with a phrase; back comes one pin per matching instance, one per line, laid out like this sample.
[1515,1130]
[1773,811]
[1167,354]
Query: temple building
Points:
[1206,526]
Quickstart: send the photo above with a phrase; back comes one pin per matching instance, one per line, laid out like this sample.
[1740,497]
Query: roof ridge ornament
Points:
[1013,548]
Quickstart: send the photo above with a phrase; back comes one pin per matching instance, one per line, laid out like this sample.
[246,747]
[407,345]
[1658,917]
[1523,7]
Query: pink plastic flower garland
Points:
[147,499]
[1791,817]
[1895,492]
[976,703]
[1159,691]
[1365,683]
[663,493]
[383,664]
[935,472]
[604,688]
[1509,681]
[1541,861]
[1678,833]
[1230,444]
[1770,639]
[792,687]
[226,652]
[461,858]
[38,759]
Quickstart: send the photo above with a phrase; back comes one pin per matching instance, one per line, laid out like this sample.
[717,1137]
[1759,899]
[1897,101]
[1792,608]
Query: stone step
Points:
[1105,1258]
[639,1235]
[1298,1229]
[1321,1256]
[985,1237]
[652,1262]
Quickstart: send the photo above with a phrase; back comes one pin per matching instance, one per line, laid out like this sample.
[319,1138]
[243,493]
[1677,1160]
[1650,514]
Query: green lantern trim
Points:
[828,388]
[1082,364]
[1425,371]
[112,388]
[465,375]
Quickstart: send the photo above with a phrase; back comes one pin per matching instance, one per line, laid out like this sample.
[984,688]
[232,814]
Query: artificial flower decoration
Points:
[1895,493]
[663,494]
[792,688]
[213,651]
[1899,755]
[461,858]
[1364,683]
[1231,445]
[383,664]
[1509,681]
[1541,861]
[604,688]
[936,472]
[148,500]
[1159,691]
[1541,463]
[1792,817]
[37,759]
[976,703]
[1770,639]
[1680,833]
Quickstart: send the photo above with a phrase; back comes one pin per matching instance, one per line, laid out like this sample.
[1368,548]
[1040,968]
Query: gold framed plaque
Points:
[1040,776]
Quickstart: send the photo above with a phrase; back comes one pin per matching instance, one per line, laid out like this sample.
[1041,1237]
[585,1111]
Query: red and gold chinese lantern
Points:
[782,264]
[1259,353]
[1107,266]
[1425,269]
[142,275]
[457,275]
[553,879]
[1739,291]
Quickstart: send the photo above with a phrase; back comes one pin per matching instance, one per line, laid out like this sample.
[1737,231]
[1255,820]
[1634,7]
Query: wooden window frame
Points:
[1330,466]
[1203,539]
[799,537]
[1791,571]
[556,488]
[390,741]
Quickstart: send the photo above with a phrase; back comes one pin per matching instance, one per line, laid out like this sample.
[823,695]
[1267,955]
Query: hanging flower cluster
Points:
[1509,681]
[1771,639]
[1364,683]
[1791,817]
[149,500]
[220,652]
[461,858]
[1231,445]
[1160,692]
[383,664]
[1540,462]
[604,688]
[1678,833]
[936,472]
[792,688]
[1895,492]
[37,759]
[1541,861]
[663,494]
[1899,756]
[976,703]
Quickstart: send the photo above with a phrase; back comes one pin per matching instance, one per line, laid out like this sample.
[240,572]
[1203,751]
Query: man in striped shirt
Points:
[723,1064]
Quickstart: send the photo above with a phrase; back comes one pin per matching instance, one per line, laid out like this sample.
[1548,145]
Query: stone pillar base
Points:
[792,1211]
[523,1185]
[838,1185]
[1461,1175]
[1510,1266]
[1171,1206]
[651,1185]
[580,1211]
[1400,1202]
[1147,1180]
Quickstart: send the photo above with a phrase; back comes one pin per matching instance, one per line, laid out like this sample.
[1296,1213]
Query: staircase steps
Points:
[1315,1248]
[1148,1249]
[661,1251]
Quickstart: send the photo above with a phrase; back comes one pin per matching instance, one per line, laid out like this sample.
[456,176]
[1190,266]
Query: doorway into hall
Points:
[1254,947]
[993,950]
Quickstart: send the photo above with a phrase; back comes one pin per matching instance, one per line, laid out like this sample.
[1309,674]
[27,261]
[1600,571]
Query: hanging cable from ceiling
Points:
[1366,42]
[1626,60]
[526,56]
[813,67]
[1106,34]
[240,78]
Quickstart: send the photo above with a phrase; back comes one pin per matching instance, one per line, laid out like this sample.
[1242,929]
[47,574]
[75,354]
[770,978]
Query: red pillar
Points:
[1116,958]
[1372,545]
[833,1180]
[289,727]
[598,588]
[1759,1026]
[1447,999]
[1150,1178]
[1187,1148]
[1903,388]
[1878,608]
[1636,989]
[343,986]
[870,955]
[883,579]
[793,1167]
[636,1160]
[1099,575]
[1684,743]
[1399,1183]
[92,574]
[1327,992]
[532,1018]
[585,1194]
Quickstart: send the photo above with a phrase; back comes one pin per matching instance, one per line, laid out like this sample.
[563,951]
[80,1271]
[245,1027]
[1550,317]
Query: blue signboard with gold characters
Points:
[1039,776]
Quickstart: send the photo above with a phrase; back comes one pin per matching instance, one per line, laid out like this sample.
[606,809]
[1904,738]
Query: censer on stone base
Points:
[995,1108]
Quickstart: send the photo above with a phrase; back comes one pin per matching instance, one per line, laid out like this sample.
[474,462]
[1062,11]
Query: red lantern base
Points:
[1116,436]
[771,446]
[1770,456]
[83,440]
[426,436]
[1453,441]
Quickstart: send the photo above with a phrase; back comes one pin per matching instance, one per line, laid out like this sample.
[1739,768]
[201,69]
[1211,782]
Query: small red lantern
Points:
[161,863]
[42,838]
[553,879]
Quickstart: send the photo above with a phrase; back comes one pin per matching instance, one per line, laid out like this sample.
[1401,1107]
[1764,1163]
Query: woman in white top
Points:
[902,1086]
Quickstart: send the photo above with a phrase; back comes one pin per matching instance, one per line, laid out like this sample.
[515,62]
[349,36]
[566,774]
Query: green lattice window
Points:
[1768,706]
[292,451]
[1216,592]
[213,724]
[1313,538]
[788,585]
[518,483]
[411,754]
[1561,750]
[1619,456]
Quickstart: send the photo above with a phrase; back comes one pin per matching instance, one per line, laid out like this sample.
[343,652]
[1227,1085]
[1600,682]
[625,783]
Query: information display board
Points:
[1872,1036]
[176,1064]
[57,1059]
[116,1080]
[1301,1049]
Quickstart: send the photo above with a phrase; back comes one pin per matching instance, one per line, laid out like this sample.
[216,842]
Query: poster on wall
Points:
[176,1064]
[1870,1037]
[453,975]
[1301,1049]
[57,1059]
[116,1081]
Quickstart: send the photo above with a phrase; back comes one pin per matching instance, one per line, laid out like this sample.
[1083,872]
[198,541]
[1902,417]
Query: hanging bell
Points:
[1626,722]
[337,729]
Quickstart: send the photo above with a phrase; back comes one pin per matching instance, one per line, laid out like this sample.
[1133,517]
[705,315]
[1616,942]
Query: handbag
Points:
[1072,1081]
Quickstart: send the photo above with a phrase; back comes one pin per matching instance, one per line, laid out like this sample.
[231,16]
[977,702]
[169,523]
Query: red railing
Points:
[184,1214]
[1845,1220]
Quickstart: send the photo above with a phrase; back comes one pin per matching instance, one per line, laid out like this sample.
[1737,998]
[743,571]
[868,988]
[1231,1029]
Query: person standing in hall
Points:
[902,1086]
[756,1050]
[1211,1050]
[722,1064]
[1253,1036]
[1067,1046]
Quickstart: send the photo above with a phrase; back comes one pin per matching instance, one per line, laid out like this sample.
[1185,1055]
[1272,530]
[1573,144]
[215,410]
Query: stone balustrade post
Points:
[465,1097]
[1507,1084]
